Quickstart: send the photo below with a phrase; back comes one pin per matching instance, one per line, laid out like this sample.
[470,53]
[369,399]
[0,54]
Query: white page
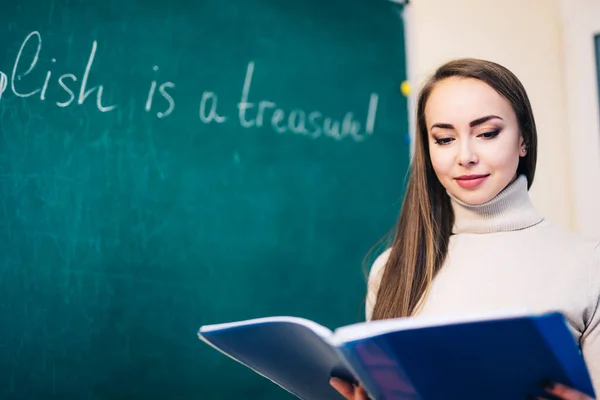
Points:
[320,330]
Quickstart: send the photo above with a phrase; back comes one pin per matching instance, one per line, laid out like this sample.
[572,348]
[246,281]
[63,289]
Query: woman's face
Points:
[474,139]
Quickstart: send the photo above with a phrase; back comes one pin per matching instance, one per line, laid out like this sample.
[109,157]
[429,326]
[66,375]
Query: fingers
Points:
[348,390]
[360,394]
[565,392]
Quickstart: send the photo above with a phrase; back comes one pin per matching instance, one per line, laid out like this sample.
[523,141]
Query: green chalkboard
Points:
[169,164]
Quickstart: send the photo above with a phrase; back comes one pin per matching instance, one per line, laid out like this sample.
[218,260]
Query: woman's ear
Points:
[522,147]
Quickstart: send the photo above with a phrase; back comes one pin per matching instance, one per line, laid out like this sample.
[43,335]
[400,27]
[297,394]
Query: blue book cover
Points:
[494,358]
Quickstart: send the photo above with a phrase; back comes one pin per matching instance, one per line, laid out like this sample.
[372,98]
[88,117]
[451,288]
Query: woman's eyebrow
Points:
[481,120]
[442,126]
[473,123]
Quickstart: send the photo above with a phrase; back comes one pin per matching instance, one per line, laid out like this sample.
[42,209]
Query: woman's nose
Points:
[468,155]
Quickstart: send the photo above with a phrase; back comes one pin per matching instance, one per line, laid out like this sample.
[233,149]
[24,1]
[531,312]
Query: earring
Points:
[524,150]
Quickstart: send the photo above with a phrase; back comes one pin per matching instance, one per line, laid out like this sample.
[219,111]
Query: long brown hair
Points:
[420,243]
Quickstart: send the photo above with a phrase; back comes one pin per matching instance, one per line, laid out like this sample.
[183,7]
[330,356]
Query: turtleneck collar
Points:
[510,210]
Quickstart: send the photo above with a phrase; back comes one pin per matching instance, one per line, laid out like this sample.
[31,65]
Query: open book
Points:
[493,358]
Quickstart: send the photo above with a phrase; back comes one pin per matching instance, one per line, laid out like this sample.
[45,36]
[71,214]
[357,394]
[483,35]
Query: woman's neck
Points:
[509,210]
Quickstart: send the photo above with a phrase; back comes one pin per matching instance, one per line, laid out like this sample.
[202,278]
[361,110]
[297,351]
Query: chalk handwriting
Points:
[3,83]
[83,94]
[243,105]
[312,124]
[14,75]
[162,90]
[62,83]
[45,87]
[212,114]
[19,72]
[252,113]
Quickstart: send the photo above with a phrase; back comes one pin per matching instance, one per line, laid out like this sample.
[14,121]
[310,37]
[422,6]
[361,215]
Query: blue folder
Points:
[494,358]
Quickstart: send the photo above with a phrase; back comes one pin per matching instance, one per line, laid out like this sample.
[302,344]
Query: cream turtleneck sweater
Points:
[503,255]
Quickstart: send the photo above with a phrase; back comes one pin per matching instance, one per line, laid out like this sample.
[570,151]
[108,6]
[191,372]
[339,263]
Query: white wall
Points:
[581,20]
[526,37]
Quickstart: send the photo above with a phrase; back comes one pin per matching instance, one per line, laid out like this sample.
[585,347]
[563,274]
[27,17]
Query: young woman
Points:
[468,238]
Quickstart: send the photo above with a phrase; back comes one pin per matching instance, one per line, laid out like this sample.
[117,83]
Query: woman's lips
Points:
[471,181]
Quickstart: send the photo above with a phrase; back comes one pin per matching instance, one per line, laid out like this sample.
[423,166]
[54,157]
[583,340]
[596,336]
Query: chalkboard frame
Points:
[597,59]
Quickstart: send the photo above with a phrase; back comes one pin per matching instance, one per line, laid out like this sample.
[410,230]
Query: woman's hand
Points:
[348,390]
[354,392]
[564,392]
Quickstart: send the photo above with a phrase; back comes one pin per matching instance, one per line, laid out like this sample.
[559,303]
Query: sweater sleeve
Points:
[590,340]
[374,281]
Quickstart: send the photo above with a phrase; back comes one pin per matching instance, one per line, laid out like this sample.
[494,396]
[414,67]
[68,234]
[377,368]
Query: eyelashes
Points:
[443,141]
[486,136]
[491,134]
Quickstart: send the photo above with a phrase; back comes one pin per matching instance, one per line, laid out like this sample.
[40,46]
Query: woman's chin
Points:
[473,197]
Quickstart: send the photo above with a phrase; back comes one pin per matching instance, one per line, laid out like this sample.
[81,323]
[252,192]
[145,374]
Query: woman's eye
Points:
[489,135]
[443,141]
